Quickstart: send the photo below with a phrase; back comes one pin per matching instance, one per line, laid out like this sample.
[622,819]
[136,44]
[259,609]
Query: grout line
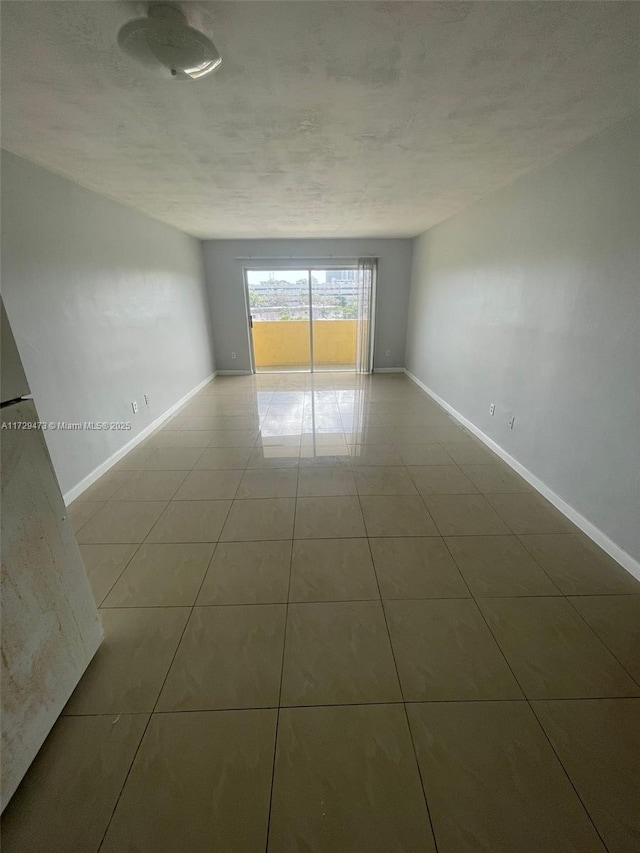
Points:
[460,572]
[124,568]
[204,578]
[241,708]
[135,755]
[124,782]
[601,640]
[404,707]
[337,600]
[566,773]
[531,708]
[284,643]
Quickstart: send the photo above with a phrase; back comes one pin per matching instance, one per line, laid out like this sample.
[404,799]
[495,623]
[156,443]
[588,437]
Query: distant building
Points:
[274,299]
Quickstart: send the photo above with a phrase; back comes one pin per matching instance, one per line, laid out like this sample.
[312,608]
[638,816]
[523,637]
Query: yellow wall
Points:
[287,342]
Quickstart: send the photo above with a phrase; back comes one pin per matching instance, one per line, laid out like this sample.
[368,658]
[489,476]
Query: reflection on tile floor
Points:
[335,621]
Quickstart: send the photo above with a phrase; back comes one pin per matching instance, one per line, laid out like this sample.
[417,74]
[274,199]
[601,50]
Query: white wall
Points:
[105,305]
[531,299]
[226,290]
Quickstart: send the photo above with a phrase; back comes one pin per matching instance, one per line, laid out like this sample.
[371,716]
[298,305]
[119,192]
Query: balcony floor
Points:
[318,368]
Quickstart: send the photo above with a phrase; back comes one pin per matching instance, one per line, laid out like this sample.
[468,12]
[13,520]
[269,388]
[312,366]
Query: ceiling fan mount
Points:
[165,44]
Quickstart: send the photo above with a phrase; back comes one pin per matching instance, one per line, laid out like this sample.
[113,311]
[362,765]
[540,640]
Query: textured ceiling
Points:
[326,118]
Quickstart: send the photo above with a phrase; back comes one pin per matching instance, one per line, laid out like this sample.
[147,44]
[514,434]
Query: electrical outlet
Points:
[134,406]
[492,409]
[512,422]
[233,355]
[388,353]
[147,399]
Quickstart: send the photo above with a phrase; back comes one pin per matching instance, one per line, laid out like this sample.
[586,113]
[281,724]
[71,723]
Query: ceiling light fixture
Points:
[165,43]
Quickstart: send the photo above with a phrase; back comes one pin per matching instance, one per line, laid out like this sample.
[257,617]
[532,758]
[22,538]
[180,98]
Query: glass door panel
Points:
[334,314]
[280,319]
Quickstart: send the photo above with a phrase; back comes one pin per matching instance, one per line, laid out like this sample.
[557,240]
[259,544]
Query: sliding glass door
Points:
[334,318]
[307,319]
[279,319]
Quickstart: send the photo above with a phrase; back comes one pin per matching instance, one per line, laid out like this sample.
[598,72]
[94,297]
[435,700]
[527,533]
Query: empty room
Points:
[320,435]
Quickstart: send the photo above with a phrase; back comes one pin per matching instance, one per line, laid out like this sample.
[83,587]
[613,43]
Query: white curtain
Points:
[367,274]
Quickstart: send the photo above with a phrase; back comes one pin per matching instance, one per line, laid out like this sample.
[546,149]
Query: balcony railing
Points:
[285,343]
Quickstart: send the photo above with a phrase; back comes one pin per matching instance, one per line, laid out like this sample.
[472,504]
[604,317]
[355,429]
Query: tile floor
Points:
[335,622]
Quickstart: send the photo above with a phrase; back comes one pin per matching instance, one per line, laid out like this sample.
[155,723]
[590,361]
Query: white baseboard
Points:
[388,369]
[90,479]
[235,373]
[601,539]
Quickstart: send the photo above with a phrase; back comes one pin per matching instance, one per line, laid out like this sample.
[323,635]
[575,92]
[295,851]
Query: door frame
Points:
[291,264]
[249,318]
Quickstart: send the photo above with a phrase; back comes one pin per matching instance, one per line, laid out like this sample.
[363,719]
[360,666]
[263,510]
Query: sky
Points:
[256,276]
